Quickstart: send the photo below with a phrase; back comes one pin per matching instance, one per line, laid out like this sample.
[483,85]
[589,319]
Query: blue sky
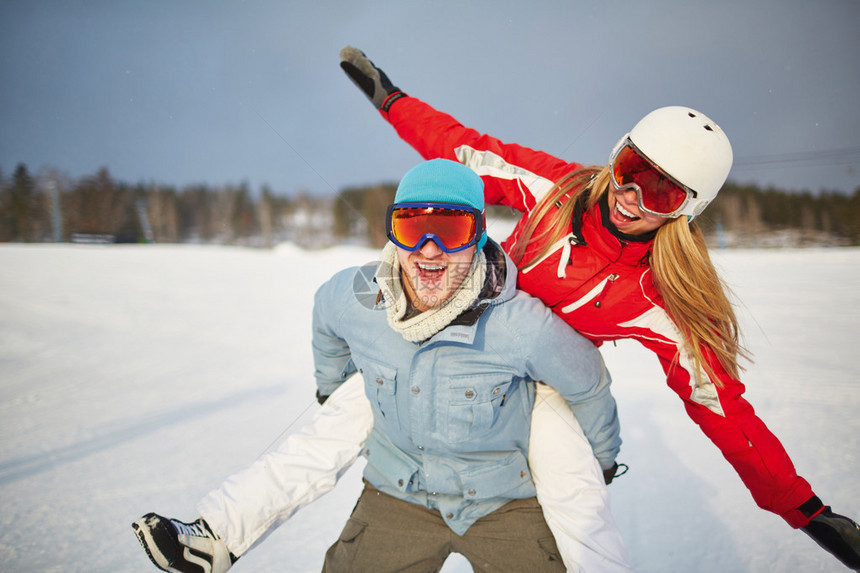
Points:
[180,92]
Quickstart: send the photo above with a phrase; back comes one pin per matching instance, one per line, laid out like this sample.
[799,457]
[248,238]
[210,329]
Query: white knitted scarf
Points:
[429,322]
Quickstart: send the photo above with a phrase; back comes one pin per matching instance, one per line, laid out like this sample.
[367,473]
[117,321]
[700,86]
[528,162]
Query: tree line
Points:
[748,216]
[98,208]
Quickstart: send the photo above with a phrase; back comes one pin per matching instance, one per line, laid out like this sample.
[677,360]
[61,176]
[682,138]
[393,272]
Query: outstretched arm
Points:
[254,502]
[513,175]
[757,455]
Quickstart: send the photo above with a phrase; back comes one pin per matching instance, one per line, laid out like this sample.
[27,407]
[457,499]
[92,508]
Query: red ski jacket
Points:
[603,288]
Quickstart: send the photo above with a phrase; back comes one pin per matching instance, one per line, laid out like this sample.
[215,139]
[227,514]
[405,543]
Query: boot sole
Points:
[143,529]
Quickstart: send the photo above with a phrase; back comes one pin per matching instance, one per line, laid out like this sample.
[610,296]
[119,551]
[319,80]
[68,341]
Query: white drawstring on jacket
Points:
[565,244]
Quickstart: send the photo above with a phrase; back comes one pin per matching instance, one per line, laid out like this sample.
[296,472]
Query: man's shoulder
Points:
[521,301]
[352,285]
[521,311]
[352,278]
[533,322]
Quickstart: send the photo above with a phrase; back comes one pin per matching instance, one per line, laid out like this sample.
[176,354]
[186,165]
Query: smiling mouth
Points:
[430,272]
[624,214]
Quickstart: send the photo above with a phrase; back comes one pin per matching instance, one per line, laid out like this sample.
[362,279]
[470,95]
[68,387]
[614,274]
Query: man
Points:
[449,352]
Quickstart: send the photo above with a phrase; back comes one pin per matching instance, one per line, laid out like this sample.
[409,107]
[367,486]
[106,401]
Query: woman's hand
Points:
[369,79]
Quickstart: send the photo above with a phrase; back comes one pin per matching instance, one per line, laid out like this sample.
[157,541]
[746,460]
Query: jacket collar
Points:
[594,230]
[499,284]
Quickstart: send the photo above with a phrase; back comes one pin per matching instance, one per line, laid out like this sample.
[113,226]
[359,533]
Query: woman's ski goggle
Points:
[452,227]
[657,192]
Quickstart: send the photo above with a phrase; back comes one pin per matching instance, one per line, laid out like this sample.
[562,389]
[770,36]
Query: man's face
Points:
[430,275]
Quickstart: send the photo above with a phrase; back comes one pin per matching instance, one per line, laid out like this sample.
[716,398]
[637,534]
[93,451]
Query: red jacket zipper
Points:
[602,294]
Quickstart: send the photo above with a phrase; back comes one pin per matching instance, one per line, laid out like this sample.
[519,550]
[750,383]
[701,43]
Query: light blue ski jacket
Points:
[452,413]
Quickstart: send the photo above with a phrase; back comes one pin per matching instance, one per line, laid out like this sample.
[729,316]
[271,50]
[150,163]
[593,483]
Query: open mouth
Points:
[623,214]
[430,273]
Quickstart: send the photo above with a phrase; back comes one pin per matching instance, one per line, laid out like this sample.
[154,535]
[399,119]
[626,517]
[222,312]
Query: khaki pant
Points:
[385,534]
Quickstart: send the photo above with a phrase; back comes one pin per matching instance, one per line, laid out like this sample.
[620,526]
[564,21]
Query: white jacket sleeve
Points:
[252,503]
[571,489]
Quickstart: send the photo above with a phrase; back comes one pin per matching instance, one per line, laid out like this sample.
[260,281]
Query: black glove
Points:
[369,79]
[838,535]
[610,474]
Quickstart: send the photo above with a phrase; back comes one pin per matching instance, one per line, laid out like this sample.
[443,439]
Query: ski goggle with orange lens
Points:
[657,192]
[451,226]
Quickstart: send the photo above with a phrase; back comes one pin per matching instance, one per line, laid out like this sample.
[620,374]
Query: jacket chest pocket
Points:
[380,384]
[473,405]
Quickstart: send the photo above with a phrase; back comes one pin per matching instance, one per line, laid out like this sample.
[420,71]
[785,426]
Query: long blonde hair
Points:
[694,294]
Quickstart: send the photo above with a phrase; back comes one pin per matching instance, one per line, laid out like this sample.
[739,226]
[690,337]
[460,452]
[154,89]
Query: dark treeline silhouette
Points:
[745,215]
[97,208]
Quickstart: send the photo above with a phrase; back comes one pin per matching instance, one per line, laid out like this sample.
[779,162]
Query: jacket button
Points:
[470,394]
[400,482]
[421,448]
[416,389]
[366,452]
[496,392]
[523,474]
[471,492]
[379,381]
[449,515]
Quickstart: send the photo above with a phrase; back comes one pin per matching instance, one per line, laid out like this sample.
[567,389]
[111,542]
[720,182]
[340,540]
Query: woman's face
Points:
[625,214]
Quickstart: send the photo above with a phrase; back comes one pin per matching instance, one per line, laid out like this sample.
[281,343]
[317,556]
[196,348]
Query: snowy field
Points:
[135,378]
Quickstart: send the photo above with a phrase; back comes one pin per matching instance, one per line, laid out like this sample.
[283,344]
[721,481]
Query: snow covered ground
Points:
[135,378]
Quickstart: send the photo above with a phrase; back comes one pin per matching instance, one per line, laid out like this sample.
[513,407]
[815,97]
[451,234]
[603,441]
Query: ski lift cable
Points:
[839,156]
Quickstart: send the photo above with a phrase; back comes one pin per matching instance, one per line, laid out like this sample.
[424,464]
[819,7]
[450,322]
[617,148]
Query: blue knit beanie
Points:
[443,181]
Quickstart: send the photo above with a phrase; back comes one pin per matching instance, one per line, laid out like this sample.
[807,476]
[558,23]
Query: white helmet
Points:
[687,145]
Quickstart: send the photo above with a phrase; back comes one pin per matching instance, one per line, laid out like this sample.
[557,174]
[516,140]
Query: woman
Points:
[615,252]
